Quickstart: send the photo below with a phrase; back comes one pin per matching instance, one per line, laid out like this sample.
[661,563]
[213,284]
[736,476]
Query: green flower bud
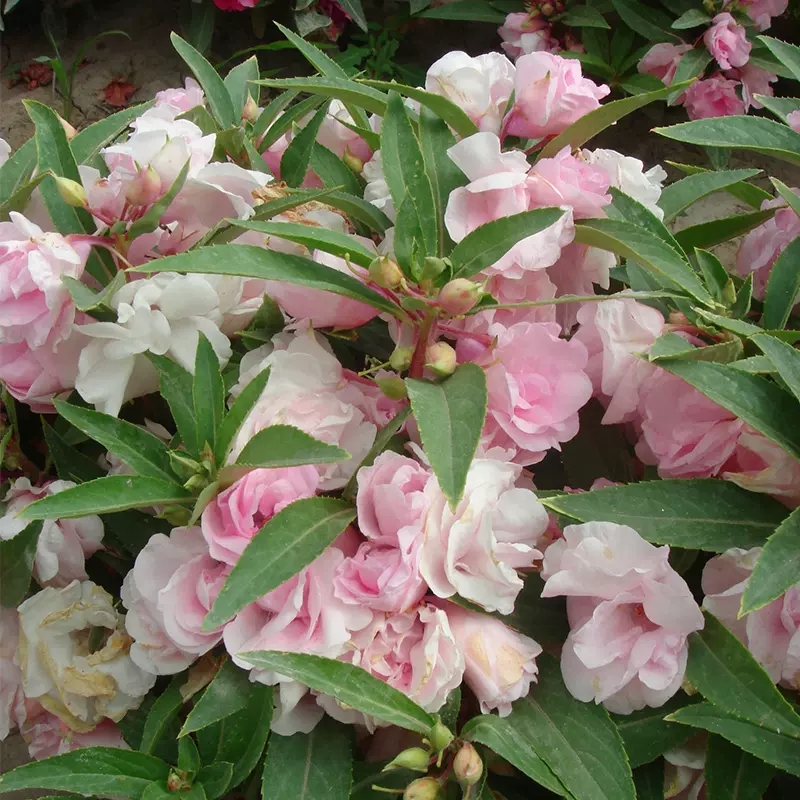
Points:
[415,758]
[385,273]
[400,359]
[353,161]
[250,110]
[459,296]
[423,789]
[393,388]
[433,267]
[441,358]
[72,193]
[440,737]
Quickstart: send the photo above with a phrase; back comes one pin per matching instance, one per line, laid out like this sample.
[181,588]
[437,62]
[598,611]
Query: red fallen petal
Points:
[118,93]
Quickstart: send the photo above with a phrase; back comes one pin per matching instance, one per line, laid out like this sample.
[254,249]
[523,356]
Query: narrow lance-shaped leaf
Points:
[333,172]
[228,693]
[159,728]
[717,231]
[148,222]
[16,562]
[788,54]
[208,393]
[785,358]
[783,287]
[238,81]
[678,196]
[286,544]
[297,157]
[347,91]
[238,412]
[17,171]
[287,446]
[175,386]
[350,685]
[733,774]
[450,417]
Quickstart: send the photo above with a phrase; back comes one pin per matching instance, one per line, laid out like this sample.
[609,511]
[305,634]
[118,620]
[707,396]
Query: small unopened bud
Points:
[440,737]
[467,766]
[415,758]
[548,9]
[385,273]
[178,781]
[250,110]
[353,161]
[145,188]
[678,318]
[441,358]
[183,465]
[423,789]
[459,296]
[432,268]
[72,193]
[729,293]
[393,388]
[400,359]
[70,132]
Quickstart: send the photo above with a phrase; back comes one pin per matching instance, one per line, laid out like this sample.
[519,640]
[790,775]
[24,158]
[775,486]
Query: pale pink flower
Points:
[684,434]
[630,614]
[530,286]
[500,663]
[794,120]
[550,94]
[684,776]
[662,59]
[537,383]
[5,151]
[726,40]
[480,86]
[755,81]
[11,685]
[762,11]
[236,514]
[338,138]
[476,549]
[761,247]
[184,99]
[522,34]
[713,97]
[63,545]
[172,586]
[615,333]
[565,180]
[772,633]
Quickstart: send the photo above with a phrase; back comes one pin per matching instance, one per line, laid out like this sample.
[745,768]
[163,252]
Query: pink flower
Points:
[5,151]
[714,97]
[755,81]
[11,685]
[615,332]
[172,586]
[476,549]
[340,139]
[661,61]
[684,778]
[565,180]
[761,247]
[480,86]
[537,383]
[500,663]
[726,40]
[184,99]
[550,94]
[63,545]
[235,5]
[629,614]
[762,11]
[760,465]
[235,515]
[576,272]
[771,634]
[794,120]
[522,34]
[415,653]
[530,286]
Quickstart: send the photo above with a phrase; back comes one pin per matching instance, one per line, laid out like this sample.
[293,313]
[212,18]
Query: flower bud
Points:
[433,267]
[353,161]
[183,465]
[441,358]
[145,188]
[415,758]
[423,789]
[250,110]
[401,358]
[440,737]
[411,303]
[72,193]
[467,766]
[459,296]
[69,130]
[385,273]
[393,388]
[178,781]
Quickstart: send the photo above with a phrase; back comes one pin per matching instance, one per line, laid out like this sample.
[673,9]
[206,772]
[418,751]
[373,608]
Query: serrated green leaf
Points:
[584,17]
[297,157]
[16,563]
[693,18]
[279,446]
[17,171]
[648,22]
[332,171]
[679,196]
[227,694]
[783,287]
[732,774]
[175,386]
[717,231]
[160,722]
[215,778]
[787,54]
[465,11]
[208,393]
[238,81]
[238,413]
[346,90]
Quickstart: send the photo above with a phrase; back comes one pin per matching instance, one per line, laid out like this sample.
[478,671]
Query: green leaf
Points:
[218,97]
[215,779]
[297,157]
[754,196]
[693,18]
[17,171]
[238,413]
[227,694]
[672,345]
[93,138]
[152,217]
[351,685]
[435,140]
[489,242]
[258,262]
[238,80]
[175,386]
[268,116]
[717,231]
[286,446]
[543,619]
[310,766]
[465,11]
[104,495]
[630,241]
[360,209]
[777,749]
[16,563]
[678,196]
[589,125]
[19,200]
[208,393]
[761,404]
[626,208]
[332,171]
[313,237]
[648,22]
[355,11]
[702,514]
[160,722]
[584,17]
[732,774]
[691,65]
[450,417]
[792,200]
[445,109]
[344,89]
[777,568]
[783,287]
[577,741]
[748,133]
[284,546]
[91,770]
[146,454]
[649,780]
[646,734]
[785,358]
[713,272]
[287,120]
[188,756]
[723,671]
[787,54]
[71,464]
[781,107]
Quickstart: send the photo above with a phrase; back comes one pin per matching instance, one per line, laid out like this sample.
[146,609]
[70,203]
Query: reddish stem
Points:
[423,336]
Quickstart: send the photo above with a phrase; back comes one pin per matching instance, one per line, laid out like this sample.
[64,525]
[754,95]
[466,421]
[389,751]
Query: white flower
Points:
[162,315]
[627,174]
[11,682]
[77,679]
[377,189]
[5,151]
